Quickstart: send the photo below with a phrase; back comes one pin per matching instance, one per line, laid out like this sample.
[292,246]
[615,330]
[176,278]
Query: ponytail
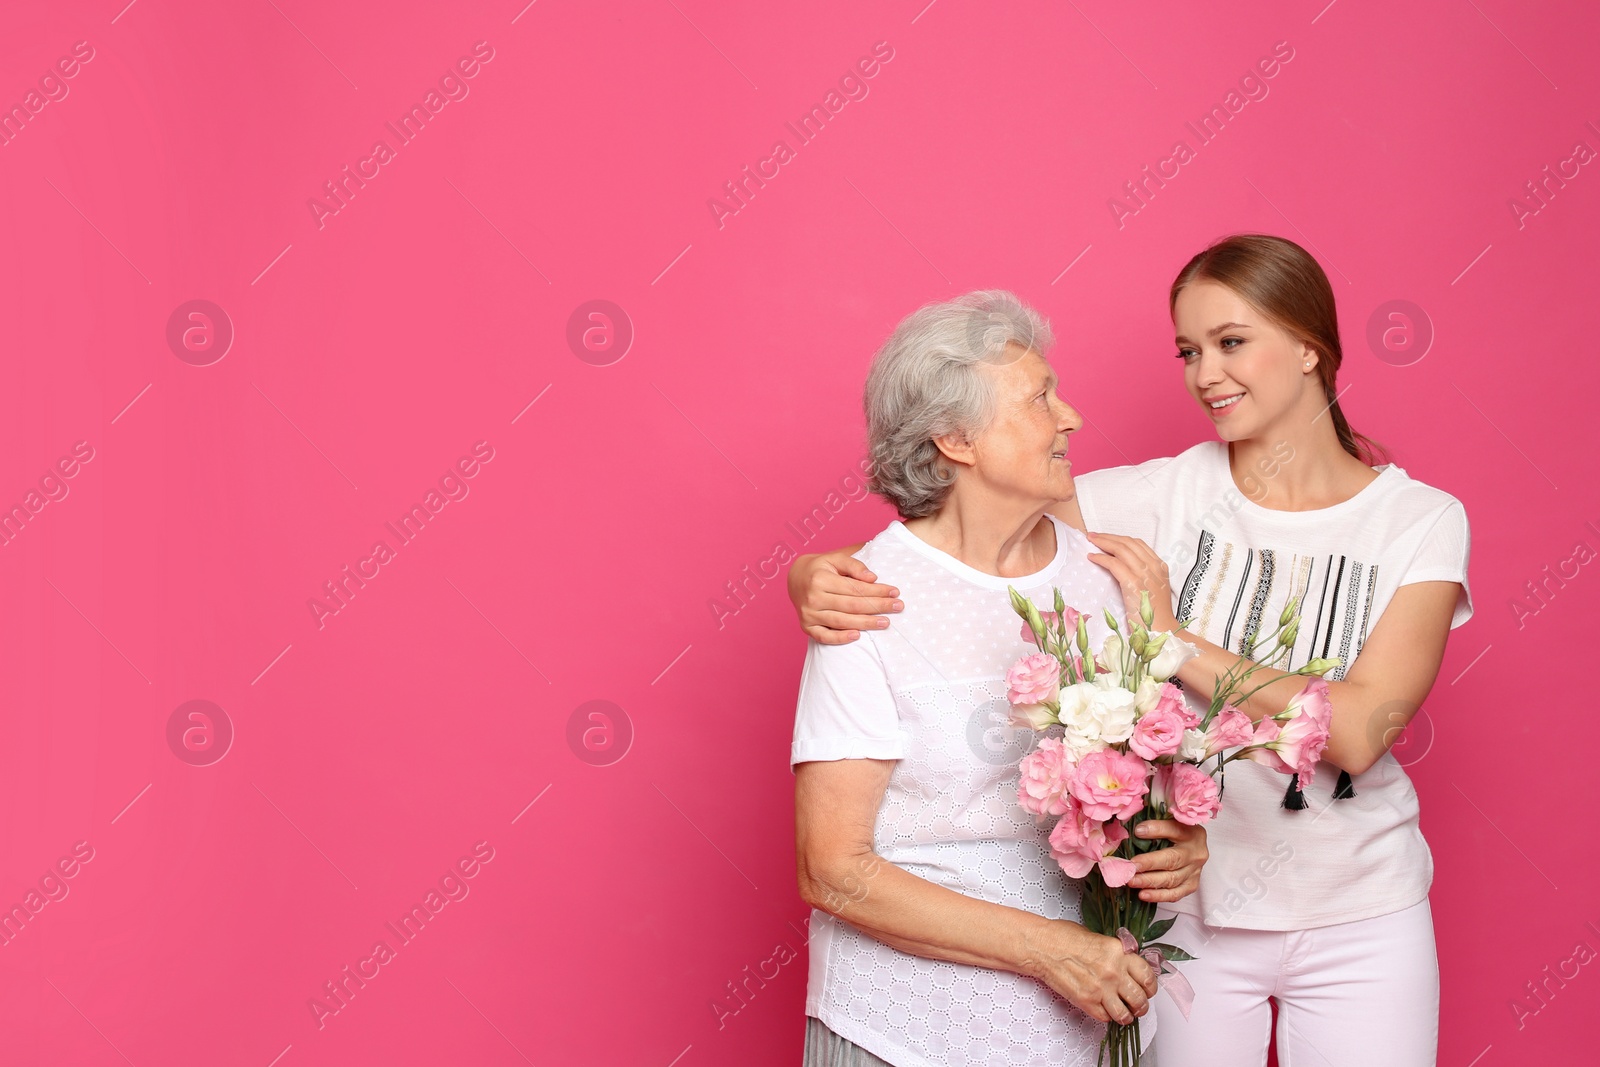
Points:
[1358,445]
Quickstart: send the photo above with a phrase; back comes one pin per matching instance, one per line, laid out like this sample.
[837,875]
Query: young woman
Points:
[1317,900]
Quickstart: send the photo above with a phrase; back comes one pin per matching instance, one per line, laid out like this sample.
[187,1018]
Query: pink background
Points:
[431,712]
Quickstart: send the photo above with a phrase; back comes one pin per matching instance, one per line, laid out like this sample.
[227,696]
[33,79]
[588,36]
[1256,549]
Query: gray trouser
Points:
[824,1048]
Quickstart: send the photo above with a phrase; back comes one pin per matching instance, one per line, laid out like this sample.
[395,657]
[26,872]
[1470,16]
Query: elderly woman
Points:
[944,932]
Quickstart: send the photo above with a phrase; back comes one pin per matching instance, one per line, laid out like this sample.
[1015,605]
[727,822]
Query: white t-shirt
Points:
[929,692]
[1234,564]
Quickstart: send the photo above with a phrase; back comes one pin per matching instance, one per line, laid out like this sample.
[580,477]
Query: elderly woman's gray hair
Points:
[925,383]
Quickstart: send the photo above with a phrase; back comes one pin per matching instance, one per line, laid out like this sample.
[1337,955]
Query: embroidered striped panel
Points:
[1234,595]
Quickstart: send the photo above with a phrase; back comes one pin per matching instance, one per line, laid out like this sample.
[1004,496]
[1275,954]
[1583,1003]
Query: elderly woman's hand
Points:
[1171,873]
[1093,971]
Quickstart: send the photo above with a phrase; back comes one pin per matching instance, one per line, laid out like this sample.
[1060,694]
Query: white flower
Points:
[1114,711]
[1110,656]
[1077,745]
[1194,746]
[1174,654]
[1077,710]
[1032,716]
[1148,696]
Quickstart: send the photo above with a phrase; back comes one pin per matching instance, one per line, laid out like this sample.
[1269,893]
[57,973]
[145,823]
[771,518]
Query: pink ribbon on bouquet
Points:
[1168,977]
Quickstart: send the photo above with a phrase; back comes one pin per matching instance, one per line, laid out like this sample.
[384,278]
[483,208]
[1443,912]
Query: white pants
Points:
[1357,994]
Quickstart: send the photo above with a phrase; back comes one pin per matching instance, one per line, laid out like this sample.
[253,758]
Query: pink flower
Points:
[1033,679]
[1110,784]
[1078,843]
[1114,869]
[1230,729]
[1172,698]
[1292,741]
[1261,747]
[1191,795]
[1306,725]
[1049,618]
[1266,732]
[1159,732]
[1267,758]
[1046,779]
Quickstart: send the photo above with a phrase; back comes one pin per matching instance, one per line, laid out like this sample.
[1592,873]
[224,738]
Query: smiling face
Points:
[1023,451]
[1250,376]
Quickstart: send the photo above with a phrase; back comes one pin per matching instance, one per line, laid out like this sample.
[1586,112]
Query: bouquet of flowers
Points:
[1120,745]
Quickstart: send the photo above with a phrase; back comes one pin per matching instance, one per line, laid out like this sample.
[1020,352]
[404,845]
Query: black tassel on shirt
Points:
[1295,800]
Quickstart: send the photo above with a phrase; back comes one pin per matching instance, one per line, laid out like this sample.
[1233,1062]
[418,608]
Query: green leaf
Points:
[1171,952]
[1158,928]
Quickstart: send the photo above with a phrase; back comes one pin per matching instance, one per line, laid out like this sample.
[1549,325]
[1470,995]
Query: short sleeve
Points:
[1120,500]
[846,709]
[1442,556]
